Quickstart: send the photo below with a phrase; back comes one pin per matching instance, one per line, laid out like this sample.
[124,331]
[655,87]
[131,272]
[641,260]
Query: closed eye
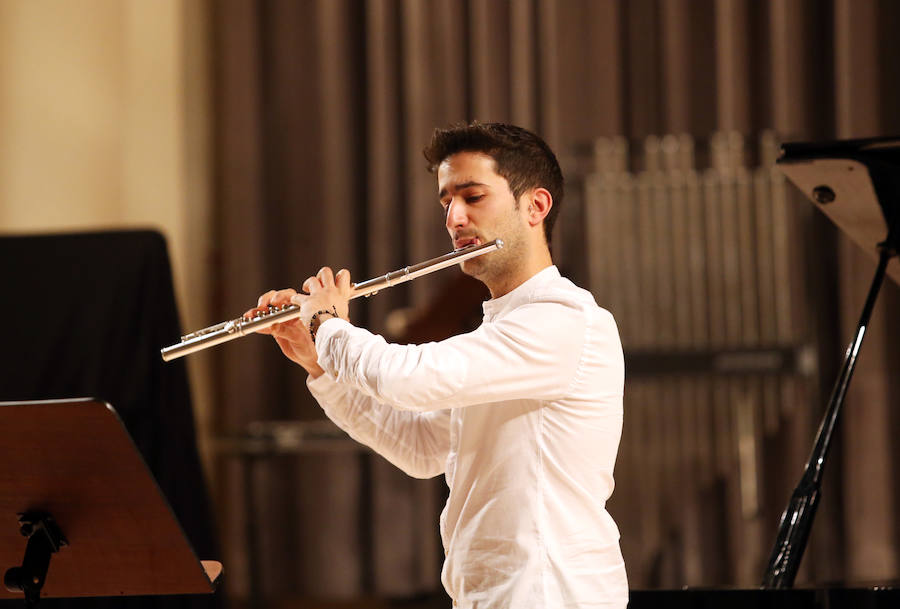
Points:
[469,199]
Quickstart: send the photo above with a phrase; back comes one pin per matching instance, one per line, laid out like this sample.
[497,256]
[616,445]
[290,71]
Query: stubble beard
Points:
[493,267]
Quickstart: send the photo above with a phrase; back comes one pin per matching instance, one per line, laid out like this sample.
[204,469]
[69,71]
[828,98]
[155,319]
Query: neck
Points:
[524,269]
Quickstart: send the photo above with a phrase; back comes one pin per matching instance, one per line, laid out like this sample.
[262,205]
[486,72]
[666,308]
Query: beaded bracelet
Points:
[314,321]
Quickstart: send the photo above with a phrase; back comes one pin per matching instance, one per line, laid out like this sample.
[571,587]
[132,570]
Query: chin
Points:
[472,268]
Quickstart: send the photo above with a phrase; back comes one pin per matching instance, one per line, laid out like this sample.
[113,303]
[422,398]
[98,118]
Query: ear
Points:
[539,203]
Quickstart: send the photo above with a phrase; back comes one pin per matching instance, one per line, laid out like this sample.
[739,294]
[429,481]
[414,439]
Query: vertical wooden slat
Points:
[747,260]
[646,261]
[765,257]
[602,76]
[857,99]
[730,262]
[796,87]
[693,439]
[781,251]
[490,61]
[548,62]
[631,261]
[416,66]
[613,251]
[338,114]
[628,493]
[714,264]
[681,248]
[675,56]
[655,520]
[732,65]
[669,411]
[766,287]
[597,216]
[383,131]
[642,68]
[665,254]
[522,65]
[452,103]
[699,326]
[869,499]
[697,237]
[750,435]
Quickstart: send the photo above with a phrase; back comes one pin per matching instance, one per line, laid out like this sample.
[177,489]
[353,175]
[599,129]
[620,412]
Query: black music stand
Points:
[856,183]
[89,507]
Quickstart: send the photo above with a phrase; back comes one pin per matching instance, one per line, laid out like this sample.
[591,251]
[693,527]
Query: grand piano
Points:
[856,183]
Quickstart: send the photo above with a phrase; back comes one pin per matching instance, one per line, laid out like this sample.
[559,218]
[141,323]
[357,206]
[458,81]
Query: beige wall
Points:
[104,124]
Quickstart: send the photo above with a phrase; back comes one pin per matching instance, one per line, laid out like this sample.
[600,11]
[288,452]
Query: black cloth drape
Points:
[86,315]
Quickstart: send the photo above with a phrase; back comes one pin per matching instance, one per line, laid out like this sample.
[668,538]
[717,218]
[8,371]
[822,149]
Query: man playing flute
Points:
[523,415]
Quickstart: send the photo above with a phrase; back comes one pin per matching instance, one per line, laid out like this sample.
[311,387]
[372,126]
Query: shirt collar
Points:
[521,294]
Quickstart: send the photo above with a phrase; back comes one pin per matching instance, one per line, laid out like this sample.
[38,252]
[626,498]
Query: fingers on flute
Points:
[342,279]
[297,333]
[311,285]
[293,331]
[273,298]
[303,354]
[264,299]
[326,276]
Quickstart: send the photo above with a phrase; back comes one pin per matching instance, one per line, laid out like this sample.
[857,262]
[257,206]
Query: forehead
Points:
[467,167]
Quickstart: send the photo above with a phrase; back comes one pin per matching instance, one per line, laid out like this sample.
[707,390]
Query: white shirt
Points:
[523,416]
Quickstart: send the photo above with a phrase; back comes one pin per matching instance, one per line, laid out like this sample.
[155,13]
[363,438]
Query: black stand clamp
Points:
[44,538]
[92,487]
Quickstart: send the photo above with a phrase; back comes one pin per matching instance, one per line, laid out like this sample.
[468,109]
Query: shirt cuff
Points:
[324,334]
[322,385]
[331,397]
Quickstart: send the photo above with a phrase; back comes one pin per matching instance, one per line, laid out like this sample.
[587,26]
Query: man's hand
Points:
[292,336]
[326,292]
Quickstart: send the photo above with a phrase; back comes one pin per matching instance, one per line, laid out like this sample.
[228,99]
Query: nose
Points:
[456,214]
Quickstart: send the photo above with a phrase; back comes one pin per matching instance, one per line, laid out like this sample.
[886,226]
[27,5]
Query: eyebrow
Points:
[443,192]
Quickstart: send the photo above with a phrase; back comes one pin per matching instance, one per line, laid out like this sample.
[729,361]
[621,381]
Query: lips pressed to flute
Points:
[236,328]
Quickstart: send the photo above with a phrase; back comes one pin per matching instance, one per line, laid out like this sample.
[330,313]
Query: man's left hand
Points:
[327,292]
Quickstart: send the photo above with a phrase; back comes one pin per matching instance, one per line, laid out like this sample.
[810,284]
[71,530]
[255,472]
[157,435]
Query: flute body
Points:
[236,328]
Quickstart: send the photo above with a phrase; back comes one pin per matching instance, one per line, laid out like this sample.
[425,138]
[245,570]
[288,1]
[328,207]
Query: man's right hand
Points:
[292,336]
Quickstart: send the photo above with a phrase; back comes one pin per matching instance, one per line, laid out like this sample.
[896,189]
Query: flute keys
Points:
[270,310]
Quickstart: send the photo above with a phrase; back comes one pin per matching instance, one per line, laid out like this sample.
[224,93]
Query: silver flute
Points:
[236,328]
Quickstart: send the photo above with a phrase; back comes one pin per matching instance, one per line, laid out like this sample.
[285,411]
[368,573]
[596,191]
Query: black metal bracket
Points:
[44,538]
[796,521]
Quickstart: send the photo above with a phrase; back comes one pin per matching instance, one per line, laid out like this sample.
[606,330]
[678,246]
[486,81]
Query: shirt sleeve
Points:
[533,352]
[416,442]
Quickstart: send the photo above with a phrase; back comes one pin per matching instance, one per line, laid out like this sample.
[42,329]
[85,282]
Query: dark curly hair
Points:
[520,156]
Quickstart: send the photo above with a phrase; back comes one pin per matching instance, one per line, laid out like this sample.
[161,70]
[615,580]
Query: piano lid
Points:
[856,183]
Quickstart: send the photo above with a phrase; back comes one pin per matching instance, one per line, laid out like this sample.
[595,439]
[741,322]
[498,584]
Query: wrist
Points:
[314,371]
[318,318]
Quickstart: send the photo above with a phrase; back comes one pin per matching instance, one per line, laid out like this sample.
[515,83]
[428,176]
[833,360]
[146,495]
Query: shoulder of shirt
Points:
[562,291]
